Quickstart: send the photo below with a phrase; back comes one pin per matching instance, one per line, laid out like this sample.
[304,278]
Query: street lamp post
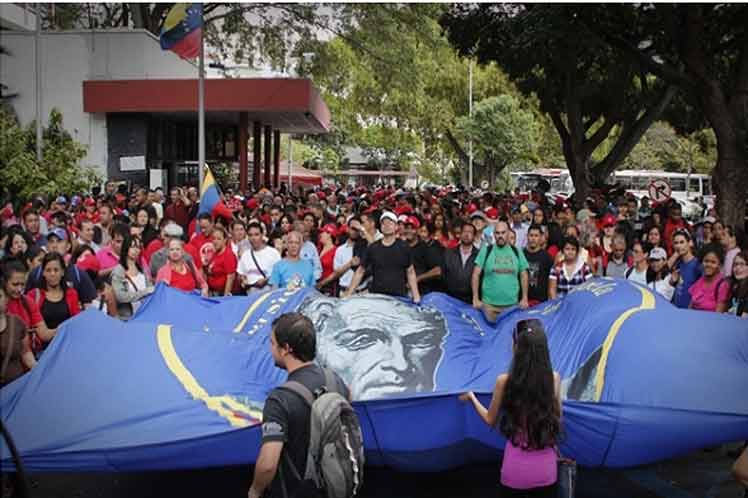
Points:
[470,112]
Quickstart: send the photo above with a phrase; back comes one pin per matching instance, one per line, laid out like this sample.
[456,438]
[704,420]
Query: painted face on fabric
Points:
[379,345]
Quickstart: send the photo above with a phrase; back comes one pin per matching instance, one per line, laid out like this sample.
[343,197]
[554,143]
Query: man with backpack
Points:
[499,275]
[311,438]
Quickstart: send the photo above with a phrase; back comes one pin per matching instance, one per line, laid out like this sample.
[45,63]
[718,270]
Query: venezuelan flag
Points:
[210,198]
[182,30]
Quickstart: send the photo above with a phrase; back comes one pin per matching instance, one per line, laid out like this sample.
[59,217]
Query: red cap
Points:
[472,208]
[331,229]
[321,195]
[412,220]
[492,213]
[609,219]
[252,203]
[406,209]
[89,202]
[89,262]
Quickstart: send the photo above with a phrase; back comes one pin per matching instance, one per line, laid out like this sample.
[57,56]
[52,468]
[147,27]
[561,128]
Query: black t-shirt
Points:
[388,266]
[286,418]
[425,258]
[539,265]
[55,313]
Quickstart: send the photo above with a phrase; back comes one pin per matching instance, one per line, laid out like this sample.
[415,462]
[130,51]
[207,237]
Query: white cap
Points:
[657,253]
[388,215]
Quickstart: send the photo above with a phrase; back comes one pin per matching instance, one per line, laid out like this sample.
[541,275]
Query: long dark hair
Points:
[126,244]
[739,288]
[530,416]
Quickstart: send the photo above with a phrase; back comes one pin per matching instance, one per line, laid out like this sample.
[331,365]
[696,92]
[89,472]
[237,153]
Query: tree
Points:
[586,87]
[502,132]
[59,171]
[662,148]
[703,49]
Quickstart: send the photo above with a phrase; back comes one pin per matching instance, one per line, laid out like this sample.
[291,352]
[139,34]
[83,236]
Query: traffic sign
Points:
[660,190]
[484,184]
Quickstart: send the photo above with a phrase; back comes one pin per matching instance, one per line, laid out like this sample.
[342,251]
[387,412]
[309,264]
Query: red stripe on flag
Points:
[189,46]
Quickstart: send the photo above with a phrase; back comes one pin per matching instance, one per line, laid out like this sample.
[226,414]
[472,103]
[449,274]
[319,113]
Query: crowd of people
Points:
[107,250]
[493,251]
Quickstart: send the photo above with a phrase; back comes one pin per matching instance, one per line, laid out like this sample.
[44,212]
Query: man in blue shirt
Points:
[292,272]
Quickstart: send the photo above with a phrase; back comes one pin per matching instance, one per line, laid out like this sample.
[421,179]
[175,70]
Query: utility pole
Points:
[38,63]
[470,112]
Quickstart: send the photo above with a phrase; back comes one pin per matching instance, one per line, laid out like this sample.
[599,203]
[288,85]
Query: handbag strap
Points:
[252,252]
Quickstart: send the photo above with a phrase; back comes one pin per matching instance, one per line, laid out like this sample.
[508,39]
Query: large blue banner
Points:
[182,385]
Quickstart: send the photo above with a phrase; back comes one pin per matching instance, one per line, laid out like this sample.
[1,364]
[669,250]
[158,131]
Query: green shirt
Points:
[500,285]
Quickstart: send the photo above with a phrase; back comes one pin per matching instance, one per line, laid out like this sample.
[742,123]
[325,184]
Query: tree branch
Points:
[596,139]
[631,135]
[459,150]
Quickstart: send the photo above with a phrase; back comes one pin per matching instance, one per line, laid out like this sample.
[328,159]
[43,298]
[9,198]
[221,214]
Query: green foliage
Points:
[59,171]
[662,148]
[502,132]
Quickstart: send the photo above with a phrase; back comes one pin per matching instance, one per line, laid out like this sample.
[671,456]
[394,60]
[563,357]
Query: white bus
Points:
[684,187]
[559,179]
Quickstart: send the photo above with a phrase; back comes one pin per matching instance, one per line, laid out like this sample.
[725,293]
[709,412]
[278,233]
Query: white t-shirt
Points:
[266,259]
[637,276]
[343,255]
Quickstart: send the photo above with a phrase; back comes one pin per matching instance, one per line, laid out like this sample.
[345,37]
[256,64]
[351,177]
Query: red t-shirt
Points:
[15,307]
[223,265]
[183,281]
[190,249]
[327,260]
[198,240]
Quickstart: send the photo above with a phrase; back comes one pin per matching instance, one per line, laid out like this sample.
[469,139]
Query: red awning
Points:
[291,105]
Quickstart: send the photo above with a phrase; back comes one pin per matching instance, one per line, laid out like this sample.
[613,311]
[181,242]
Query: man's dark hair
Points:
[204,216]
[255,224]
[120,229]
[535,227]
[296,331]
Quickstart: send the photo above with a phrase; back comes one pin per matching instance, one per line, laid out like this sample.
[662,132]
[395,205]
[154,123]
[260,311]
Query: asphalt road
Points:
[703,474]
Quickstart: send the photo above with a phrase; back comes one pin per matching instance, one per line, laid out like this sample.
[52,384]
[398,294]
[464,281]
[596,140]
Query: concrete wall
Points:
[71,57]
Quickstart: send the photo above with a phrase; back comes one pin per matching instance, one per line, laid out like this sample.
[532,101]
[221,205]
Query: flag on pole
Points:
[182,30]
[211,201]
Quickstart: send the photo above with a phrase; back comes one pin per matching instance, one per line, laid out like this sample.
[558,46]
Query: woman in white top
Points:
[256,264]
[638,272]
[659,278]
[129,283]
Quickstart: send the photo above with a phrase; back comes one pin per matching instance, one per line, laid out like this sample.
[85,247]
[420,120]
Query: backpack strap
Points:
[629,271]
[330,383]
[716,289]
[301,390]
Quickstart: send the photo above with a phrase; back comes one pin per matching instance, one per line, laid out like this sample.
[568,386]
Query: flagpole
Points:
[201,113]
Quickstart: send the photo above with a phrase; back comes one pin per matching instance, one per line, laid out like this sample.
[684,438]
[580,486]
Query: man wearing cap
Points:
[500,274]
[390,262]
[74,277]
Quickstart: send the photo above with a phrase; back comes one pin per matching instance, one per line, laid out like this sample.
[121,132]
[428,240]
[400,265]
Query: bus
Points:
[684,187]
[559,179]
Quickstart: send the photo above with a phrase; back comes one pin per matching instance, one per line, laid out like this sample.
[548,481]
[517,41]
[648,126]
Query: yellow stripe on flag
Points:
[177,14]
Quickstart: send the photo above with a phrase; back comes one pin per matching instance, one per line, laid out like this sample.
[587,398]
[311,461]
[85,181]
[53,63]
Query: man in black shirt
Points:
[390,262]
[286,416]
[427,254]
[458,264]
[539,266]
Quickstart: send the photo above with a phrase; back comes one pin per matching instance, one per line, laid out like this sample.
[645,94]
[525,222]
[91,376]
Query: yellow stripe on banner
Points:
[217,404]
[251,310]
[177,14]
[648,303]
[208,181]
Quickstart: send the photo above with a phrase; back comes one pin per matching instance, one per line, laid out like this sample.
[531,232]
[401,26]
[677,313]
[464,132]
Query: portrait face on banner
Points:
[379,345]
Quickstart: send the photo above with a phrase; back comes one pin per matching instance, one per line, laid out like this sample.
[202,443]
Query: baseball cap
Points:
[478,214]
[412,220]
[59,233]
[388,215]
[657,253]
[331,229]
[608,220]
[492,213]
[61,200]
[89,201]
[173,230]
[403,218]
[710,219]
